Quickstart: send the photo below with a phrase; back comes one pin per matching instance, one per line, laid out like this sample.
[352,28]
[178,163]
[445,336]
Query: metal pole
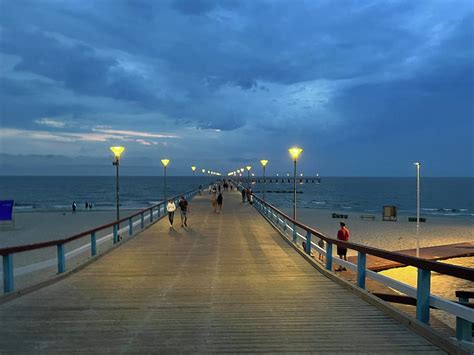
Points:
[264,183]
[248,178]
[117,189]
[164,192]
[294,189]
[194,182]
[417,210]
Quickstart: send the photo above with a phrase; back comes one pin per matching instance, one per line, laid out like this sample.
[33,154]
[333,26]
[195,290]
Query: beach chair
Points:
[6,214]
[389,213]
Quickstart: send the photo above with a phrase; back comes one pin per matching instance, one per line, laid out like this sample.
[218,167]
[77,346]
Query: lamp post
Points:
[193,168]
[248,174]
[264,164]
[117,152]
[165,163]
[295,153]
[418,165]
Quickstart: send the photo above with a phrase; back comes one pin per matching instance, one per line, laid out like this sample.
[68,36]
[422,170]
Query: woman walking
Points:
[220,199]
[171,207]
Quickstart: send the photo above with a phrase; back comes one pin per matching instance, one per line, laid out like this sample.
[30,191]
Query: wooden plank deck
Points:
[228,283]
[439,252]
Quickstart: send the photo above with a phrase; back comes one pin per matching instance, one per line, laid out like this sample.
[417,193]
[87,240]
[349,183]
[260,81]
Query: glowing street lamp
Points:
[165,163]
[418,166]
[193,168]
[264,164]
[248,167]
[295,153]
[117,152]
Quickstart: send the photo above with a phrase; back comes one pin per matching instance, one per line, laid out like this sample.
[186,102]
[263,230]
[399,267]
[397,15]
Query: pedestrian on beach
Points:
[87,205]
[244,193]
[344,235]
[220,199]
[184,209]
[171,207]
[74,206]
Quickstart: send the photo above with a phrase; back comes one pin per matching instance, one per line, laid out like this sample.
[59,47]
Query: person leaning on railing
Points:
[344,235]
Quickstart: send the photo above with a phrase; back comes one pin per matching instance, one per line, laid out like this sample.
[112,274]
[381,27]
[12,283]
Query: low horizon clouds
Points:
[391,82]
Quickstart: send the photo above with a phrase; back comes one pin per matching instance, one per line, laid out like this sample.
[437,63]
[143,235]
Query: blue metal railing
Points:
[155,213]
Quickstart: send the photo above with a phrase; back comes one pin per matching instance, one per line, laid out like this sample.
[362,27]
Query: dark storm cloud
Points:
[244,66]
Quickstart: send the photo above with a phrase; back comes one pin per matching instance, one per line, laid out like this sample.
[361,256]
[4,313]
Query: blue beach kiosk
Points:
[6,213]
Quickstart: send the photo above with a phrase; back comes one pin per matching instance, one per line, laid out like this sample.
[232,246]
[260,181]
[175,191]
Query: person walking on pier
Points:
[184,207]
[344,235]
[171,207]
[244,193]
[220,199]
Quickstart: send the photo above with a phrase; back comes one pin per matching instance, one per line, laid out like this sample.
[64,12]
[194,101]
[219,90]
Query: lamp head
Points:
[248,167]
[117,151]
[165,162]
[417,164]
[295,152]
[264,162]
[193,168]
[203,171]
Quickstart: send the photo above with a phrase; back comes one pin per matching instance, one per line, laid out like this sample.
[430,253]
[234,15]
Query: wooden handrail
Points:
[50,243]
[442,268]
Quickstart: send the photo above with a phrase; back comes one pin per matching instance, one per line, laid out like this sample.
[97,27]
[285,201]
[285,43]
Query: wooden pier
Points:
[227,283]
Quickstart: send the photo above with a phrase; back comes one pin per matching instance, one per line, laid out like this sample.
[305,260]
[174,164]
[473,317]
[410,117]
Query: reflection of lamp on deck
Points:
[264,164]
[117,152]
[295,153]
[418,165]
[165,163]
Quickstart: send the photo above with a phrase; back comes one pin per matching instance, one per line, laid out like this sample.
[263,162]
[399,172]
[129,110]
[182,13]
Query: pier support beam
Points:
[93,244]
[328,256]
[308,243]
[61,259]
[423,296]
[361,269]
[7,273]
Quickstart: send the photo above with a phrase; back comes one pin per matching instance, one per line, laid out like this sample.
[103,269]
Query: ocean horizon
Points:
[440,196]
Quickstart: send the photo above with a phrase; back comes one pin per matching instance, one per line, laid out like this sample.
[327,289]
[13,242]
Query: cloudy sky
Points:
[365,87]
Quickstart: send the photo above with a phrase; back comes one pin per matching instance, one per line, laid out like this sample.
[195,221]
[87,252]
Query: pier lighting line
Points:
[165,163]
[295,153]
[418,166]
[264,163]
[117,150]
[193,168]
[248,175]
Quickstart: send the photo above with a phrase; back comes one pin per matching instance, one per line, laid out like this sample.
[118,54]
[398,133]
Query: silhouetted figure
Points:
[74,206]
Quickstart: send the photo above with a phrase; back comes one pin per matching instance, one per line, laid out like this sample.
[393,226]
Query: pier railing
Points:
[297,231]
[128,226]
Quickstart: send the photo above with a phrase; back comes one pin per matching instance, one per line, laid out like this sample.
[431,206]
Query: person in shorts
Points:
[171,207]
[344,235]
[184,209]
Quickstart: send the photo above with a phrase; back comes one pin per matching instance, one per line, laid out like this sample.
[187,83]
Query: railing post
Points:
[159,211]
[142,219]
[130,226]
[151,214]
[93,244]
[423,295]
[308,243]
[294,233]
[361,269]
[115,238]
[328,255]
[61,259]
[463,327]
[8,273]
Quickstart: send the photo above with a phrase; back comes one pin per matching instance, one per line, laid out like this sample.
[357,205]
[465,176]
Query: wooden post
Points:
[328,256]
[8,273]
[423,296]
[130,226]
[294,233]
[142,219]
[463,327]
[361,269]
[93,244]
[61,259]
[115,238]
[308,243]
[151,214]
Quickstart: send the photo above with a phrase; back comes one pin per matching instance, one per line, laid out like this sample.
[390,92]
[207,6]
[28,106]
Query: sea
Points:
[450,197]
